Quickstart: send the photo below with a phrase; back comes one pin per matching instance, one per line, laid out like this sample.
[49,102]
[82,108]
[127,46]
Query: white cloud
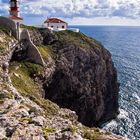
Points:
[81,9]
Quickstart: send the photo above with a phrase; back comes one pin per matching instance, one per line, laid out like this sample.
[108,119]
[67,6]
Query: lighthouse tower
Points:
[14,11]
[15,16]
[14,8]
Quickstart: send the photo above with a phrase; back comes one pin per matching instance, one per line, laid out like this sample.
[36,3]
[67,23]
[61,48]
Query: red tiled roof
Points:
[16,18]
[54,20]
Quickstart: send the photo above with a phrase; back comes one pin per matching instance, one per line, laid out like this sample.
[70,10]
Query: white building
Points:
[55,24]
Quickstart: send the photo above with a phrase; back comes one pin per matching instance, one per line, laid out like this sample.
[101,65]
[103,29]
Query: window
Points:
[63,26]
[51,26]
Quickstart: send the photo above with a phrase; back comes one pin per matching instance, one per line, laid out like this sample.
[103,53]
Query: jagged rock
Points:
[66,112]
[2,133]
[39,121]
[85,79]
[23,112]
[10,131]
[68,136]
[16,120]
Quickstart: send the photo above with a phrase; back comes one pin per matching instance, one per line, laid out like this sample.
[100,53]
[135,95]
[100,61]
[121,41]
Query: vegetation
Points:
[90,135]
[78,39]
[4,39]
[28,27]
[49,130]
[29,120]
[46,51]
[5,30]
[70,128]
[46,136]
[49,107]
[5,95]
[32,110]
[22,75]
[2,48]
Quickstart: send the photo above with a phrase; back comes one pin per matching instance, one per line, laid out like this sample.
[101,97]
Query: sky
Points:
[79,12]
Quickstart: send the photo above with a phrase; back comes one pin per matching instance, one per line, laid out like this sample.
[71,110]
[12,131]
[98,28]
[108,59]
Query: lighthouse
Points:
[14,11]
[15,16]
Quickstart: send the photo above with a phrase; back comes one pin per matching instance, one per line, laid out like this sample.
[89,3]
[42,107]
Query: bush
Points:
[5,30]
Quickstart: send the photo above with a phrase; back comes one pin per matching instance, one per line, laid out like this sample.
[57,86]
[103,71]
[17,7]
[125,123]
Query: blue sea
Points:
[124,45]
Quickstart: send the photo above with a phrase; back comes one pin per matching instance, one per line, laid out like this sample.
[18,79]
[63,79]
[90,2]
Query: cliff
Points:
[84,79]
[78,75]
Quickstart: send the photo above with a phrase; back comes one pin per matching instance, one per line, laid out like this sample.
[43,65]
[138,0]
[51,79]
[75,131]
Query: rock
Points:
[23,112]
[71,114]
[1,40]
[2,133]
[10,131]
[77,137]
[5,66]
[39,121]
[85,79]
[81,79]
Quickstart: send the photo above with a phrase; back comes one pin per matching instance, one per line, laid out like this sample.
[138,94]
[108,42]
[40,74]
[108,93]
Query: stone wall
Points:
[8,23]
[33,53]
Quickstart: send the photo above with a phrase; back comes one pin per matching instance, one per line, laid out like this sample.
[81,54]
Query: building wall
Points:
[56,26]
[15,13]
[10,24]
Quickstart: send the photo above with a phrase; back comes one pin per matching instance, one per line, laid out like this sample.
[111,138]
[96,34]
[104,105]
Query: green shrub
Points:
[29,27]
[46,51]
[49,130]
[5,95]
[46,136]
[21,75]
[29,120]
[5,30]
[1,101]
[77,39]
[32,110]
[90,135]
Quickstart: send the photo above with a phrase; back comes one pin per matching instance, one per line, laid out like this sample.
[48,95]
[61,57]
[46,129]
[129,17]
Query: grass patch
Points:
[7,31]
[49,107]
[78,39]
[5,95]
[33,110]
[46,51]
[46,136]
[29,120]
[70,128]
[49,130]
[29,27]
[21,75]
[90,135]
[2,48]
[22,78]
[1,102]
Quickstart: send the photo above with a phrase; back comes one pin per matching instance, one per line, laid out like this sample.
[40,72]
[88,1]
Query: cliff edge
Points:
[79,75]
[84,79]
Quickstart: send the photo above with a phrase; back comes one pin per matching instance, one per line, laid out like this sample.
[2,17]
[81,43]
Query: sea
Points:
[124,45]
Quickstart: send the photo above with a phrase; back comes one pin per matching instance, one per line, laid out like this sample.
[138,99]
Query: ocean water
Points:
[124,45]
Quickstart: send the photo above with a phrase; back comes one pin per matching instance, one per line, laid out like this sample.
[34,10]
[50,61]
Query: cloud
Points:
[70,9]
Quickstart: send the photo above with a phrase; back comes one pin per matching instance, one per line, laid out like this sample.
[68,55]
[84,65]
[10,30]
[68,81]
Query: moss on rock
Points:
[46,51]
[21,75]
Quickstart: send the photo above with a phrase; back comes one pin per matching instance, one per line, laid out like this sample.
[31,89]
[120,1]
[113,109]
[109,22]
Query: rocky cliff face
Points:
[79,74]
[85,79]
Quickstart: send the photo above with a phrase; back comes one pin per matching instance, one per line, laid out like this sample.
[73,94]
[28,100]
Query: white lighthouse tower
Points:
[14,11]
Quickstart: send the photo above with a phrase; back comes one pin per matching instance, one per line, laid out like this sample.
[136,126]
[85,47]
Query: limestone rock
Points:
[39,121]
[85,79]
